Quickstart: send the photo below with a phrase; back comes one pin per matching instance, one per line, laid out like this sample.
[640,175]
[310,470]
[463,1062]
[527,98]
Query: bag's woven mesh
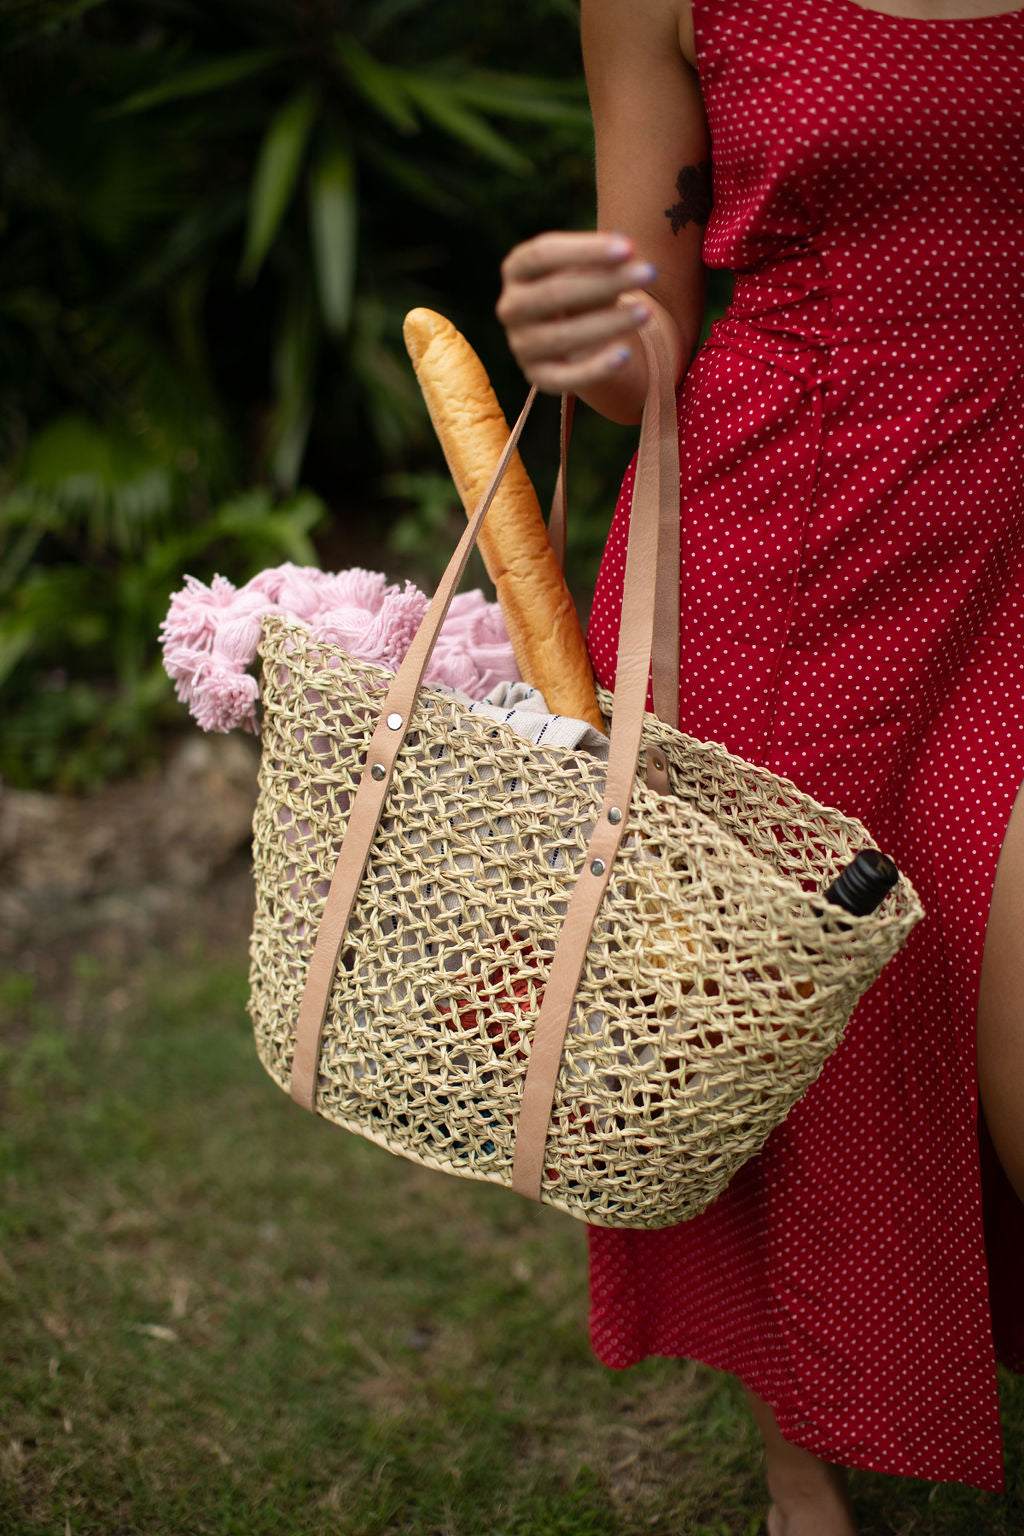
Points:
[715,985]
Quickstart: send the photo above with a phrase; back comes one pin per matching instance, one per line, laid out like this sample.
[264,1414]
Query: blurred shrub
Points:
[219,212]
[96,534]
[215,215]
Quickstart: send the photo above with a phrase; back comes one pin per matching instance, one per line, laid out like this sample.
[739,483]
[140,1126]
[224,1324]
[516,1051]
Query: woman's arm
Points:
[561,297]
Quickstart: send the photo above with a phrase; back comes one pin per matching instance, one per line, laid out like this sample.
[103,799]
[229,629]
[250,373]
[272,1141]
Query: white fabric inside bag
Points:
[524,709]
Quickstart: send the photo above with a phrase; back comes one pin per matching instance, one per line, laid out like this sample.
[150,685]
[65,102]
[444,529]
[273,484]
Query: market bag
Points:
[602,984]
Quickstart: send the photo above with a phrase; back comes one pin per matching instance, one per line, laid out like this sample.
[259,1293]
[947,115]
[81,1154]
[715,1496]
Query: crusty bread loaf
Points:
[539,612]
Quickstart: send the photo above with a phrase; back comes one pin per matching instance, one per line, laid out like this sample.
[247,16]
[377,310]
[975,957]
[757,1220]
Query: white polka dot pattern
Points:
[852,472]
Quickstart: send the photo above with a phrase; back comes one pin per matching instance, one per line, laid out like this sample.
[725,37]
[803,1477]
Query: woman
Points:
[852,590]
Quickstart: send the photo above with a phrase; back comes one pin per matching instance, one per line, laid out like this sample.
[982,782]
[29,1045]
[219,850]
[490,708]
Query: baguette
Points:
[539,612]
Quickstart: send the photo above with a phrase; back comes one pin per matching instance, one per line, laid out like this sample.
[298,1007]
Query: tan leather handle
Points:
[558,518]
[655,496]
[368,805]
[667,608]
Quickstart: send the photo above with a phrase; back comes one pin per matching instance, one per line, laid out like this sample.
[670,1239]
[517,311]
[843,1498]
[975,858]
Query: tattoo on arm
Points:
[694,206]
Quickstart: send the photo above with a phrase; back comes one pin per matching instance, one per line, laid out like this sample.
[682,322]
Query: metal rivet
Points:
[597,867]
[614,815]
[378,772]
[394,722]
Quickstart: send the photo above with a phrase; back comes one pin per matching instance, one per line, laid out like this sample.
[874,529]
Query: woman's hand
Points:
[560,299]
[560,306]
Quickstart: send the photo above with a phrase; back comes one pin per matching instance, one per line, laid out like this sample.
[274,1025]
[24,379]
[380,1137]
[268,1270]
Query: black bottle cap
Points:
[864,883]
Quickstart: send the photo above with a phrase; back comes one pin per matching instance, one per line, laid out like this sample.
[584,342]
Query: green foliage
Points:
[215,216]
[94,537]
[221,212]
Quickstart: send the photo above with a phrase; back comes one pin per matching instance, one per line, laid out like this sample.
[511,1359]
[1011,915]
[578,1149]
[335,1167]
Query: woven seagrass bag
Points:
[601,984]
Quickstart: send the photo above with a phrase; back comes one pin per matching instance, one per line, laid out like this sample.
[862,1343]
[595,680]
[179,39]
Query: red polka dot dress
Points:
[852,599]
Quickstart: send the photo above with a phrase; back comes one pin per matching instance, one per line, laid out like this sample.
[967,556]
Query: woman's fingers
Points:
[561,306]
[556,249]
[569,292]
[580,335]
[570,275]
[574,375]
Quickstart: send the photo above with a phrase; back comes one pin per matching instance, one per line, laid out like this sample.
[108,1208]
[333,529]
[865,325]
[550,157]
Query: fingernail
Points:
[619,247]
[621,356]
[640,313]
[643,272]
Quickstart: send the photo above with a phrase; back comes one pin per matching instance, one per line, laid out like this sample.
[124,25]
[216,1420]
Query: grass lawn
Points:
[223,1318]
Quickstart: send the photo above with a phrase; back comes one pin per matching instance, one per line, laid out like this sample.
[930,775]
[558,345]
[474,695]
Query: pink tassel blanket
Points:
[211,633]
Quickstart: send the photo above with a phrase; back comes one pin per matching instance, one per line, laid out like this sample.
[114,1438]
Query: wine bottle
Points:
[864,883]
[859,888]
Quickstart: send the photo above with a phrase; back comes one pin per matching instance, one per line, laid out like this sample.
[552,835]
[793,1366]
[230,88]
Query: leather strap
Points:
[559,502]
[657,771]
[653,490]
[368,805]
[655,512]
[667,606]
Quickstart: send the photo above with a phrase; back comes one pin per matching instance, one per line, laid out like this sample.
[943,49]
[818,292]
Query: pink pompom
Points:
[225,698]
[237,639]
[356,588]
[195,613]
[211,634]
